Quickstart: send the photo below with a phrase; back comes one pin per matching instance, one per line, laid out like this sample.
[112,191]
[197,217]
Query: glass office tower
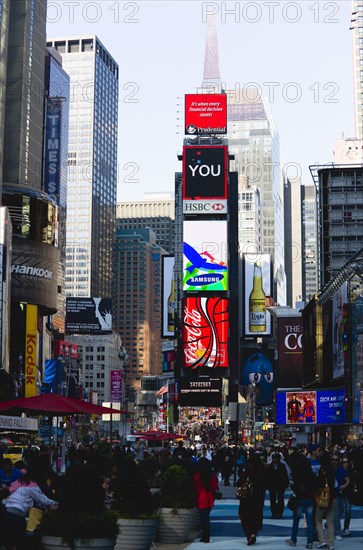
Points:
[92,164]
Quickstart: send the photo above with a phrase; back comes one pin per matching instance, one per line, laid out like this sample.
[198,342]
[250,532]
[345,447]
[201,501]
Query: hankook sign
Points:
[34,273]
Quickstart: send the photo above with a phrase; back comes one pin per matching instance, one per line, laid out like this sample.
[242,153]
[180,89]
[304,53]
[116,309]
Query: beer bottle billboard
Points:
[257,302]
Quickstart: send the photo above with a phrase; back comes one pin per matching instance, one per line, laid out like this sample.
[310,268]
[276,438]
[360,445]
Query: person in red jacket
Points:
[205,486]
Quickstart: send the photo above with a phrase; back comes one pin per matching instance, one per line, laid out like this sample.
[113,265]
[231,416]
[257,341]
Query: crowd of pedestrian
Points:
[308,472]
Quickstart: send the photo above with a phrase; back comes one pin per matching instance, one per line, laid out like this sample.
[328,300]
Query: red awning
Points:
[54,404]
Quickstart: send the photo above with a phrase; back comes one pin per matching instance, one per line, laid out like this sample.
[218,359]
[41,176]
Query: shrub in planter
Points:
[177,487]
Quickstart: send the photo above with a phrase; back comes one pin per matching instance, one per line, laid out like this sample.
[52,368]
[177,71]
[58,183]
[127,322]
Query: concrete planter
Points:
[136,534]
[55,543]
[175,525]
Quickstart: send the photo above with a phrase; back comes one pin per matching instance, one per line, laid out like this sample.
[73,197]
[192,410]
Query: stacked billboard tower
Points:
[209,262]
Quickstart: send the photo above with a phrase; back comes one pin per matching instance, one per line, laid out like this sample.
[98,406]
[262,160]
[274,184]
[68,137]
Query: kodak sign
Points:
[31,351]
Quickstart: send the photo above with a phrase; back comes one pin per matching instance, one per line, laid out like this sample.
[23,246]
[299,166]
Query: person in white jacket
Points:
[17,506]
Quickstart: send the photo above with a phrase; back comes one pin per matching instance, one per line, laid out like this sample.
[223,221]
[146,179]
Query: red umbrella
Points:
[156,435]
[54,404]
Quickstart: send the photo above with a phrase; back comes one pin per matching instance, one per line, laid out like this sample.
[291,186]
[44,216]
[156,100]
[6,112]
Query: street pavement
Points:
[227,533]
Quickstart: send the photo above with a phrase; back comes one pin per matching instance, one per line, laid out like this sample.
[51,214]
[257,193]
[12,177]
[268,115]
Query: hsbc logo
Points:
[205,207]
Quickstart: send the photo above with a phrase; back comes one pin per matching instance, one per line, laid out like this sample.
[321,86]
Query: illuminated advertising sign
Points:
[217,206]
[339,299]
[31,351]
[257,270]
[205,255]
[168,356]
[258,373]
[202,392]
[52,164]
[87,315]
[205,332]
[115,386]
[205,114]
[310,407]
[168,297]
[290,362]
[205,172]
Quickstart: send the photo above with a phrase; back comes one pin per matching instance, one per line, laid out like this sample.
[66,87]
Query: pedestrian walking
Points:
[304,487]
[251,494]
[341,486]
[326,480]
[205,487]
[277,483]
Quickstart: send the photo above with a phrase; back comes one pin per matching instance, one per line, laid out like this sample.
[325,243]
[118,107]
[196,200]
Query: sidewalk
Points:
[227,534]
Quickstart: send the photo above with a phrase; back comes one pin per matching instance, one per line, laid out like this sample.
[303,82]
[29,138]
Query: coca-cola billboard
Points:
[205,332]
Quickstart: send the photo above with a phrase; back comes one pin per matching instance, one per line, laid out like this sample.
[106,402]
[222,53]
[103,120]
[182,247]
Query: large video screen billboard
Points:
[205,255]
[205,172]
[168,297]
[202,392]
[205,114]
[310,407]
[258,373]
[87,315]
[205,332]
[290,353]
[257,279]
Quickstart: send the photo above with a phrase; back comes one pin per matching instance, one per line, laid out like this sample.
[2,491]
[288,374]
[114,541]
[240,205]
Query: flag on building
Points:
[163,389]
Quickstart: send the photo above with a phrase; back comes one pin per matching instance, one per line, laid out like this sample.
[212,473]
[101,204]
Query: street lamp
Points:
[253,404]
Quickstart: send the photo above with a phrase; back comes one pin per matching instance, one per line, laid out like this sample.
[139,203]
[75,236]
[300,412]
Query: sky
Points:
[298,53]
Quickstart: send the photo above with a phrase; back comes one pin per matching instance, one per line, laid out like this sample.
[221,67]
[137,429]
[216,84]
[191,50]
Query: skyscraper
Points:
[310,254]
[33,212]
[293,240]
[92,164]
[137,302]
[56,160]
[254,141]
[357,29]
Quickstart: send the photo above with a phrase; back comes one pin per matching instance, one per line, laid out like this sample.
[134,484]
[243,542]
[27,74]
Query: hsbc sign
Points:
[205,172]
[205,207]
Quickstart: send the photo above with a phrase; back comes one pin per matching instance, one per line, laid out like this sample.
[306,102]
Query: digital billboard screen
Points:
[339,299]
[205,172]
[205,255]
[257,271]
[290,357]
[205,324]
[87,315]
[168,297]
[310,407]
[201,392]
[258,371]
[205,114]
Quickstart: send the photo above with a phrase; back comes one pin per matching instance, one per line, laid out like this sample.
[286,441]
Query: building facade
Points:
[310,255]
[57,89]
[340,216]
[92,164]
[357,30]
[137,303]
[293,239]
[156,211]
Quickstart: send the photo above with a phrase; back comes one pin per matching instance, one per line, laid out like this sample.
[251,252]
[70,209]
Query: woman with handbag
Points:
[325,503]
[205,488]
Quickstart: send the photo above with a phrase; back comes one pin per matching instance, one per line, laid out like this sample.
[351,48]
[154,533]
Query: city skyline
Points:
[307,76]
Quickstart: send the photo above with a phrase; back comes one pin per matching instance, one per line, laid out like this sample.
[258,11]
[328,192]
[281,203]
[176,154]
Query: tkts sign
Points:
[205,332]
[205,172]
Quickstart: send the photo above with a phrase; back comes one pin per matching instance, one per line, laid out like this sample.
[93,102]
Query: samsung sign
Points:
[205,171]
[218,206]
[52,149]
